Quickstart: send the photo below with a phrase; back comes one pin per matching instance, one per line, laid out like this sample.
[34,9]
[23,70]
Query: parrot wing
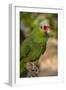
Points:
[35,52]
[22,66]
[24,48]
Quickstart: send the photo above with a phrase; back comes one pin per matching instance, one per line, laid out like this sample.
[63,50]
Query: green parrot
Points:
[34,45]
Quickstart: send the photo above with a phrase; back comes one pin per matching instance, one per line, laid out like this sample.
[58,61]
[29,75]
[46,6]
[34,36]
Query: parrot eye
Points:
[41,27]
[46,27]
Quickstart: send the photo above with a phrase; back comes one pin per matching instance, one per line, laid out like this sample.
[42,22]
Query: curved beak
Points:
[47,32]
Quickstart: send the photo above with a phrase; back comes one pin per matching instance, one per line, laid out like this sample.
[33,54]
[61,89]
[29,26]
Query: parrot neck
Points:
[38,36]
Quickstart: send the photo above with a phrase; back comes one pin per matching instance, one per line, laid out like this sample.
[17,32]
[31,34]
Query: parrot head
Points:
[45,26]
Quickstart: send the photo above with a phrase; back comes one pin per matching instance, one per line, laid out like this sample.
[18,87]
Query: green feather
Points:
[32,48]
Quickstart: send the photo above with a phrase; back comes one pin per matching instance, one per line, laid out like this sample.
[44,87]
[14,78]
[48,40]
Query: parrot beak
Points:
[47,32]
[46,28]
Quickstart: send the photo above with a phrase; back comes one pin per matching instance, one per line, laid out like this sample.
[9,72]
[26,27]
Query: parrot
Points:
[34,45]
